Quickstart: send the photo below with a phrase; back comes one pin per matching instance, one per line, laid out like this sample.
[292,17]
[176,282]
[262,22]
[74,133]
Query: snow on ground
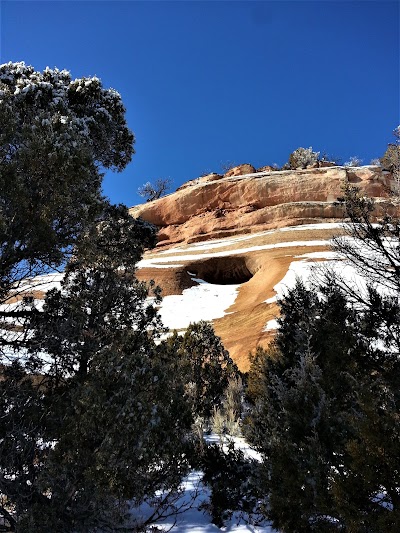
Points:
[309,271]
[170,265]
[322,254]
[196,519]
[194,497]
[205,301]
[157,262]
[321,225]
[271,325]
[220,243]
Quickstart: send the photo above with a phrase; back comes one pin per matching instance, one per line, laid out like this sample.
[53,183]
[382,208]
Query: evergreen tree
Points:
[326,394]
[297,420]
[93,410]
[205,365]
[56,135]
[371,498]
[113,420]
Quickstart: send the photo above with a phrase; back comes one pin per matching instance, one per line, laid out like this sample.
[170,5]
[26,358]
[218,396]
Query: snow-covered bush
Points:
[302,158]
[354,161]
[376,161]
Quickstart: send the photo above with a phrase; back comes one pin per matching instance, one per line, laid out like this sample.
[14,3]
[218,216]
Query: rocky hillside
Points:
[225,242]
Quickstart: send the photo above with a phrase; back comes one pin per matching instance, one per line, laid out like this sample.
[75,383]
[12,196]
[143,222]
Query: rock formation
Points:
[245,231]
[215,206]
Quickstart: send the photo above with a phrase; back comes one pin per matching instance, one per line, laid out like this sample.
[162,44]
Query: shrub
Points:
[376,161]
[302,157]
[228,165]
[227,419]
[354,161]
[232,480]
[391,158]
[217,421]
[205,365]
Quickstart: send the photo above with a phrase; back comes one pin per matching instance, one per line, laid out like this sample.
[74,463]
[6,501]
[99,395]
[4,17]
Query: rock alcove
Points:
[222,270]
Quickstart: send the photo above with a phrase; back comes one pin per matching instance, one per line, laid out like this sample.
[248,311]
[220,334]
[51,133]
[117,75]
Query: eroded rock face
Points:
[245,232]
[213,176]
[267,168]
[240,170]
[214,206]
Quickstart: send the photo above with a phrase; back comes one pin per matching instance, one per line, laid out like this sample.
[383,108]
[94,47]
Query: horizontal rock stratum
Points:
[242,204]
[225,242]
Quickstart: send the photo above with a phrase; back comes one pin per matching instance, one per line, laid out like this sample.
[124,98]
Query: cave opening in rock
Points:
[222,270]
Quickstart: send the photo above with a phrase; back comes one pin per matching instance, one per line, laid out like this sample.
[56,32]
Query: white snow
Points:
[307,270]
[205,301]
[221,243]
[44,282]
[322,254]
[196,519]
[169,265]
[195,494]
[304,269]
[322,225]
[151,263]
[271,325]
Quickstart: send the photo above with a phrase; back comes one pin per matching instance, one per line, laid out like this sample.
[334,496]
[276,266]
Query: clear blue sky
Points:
[209,82]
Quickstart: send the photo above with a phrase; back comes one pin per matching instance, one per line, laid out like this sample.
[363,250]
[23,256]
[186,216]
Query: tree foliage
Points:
[107,418]
[205,365]
[233,481]
[56,135]
[325,396]
[93,411]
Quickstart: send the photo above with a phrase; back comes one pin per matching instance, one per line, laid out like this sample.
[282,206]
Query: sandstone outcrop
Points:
[240,170]
[245,231]
[215,206]
[213,176]
[267,168]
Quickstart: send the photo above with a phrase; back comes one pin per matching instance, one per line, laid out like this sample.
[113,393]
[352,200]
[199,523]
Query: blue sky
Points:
[211,82]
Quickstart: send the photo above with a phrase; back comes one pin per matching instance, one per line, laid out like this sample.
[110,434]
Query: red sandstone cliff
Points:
[218,206]
[252,217]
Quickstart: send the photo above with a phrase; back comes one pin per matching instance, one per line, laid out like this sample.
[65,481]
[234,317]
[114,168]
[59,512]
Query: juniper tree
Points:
[151,191]
[372,247]
[56,136]
[93,412]
[205,365]
[303,387]
[326,395]
[113,419]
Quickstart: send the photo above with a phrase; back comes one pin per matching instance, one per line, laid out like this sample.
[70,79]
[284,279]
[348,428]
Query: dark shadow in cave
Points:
[222,270]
